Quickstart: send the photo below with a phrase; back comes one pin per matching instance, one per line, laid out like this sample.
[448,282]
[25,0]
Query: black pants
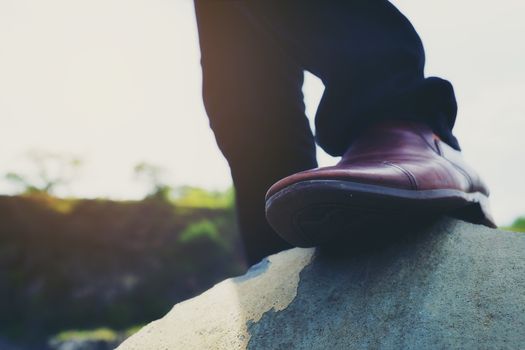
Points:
[254,52]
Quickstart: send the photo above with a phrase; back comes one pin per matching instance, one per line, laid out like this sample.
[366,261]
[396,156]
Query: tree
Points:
[49,171]
[518,224]
[154,176]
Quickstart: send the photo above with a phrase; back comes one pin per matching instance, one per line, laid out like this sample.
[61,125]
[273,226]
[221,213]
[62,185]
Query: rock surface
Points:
[450,285]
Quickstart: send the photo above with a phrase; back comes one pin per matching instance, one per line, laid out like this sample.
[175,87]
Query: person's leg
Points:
[253,97]
[371,61]
[391,125]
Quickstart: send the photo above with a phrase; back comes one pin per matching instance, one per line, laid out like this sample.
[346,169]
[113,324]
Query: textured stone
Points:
[450,285]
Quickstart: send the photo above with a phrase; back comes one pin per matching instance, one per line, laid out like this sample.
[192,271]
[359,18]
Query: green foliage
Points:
[49,171]
[83,264]
[154,176]
[201,229]
[194,197]
[105,334]
[518,225]
[132,330]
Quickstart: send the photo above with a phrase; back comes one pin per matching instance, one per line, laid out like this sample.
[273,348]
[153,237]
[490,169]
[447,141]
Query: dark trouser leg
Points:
[253,97]
[370,59]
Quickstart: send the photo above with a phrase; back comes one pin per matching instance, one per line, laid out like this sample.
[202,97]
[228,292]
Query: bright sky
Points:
[118,82]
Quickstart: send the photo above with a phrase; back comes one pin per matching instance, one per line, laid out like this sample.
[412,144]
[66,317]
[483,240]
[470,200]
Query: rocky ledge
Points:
[447,285]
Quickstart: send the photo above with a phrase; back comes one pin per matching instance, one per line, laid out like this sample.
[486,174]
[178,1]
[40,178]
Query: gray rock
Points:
[452,285]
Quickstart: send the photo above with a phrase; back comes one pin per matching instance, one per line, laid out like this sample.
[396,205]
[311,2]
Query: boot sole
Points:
[318,212]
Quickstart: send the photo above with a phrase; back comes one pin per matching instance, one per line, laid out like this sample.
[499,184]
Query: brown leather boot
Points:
[395,169]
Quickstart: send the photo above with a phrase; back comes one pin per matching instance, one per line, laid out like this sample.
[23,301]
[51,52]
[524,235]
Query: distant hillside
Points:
[67,264]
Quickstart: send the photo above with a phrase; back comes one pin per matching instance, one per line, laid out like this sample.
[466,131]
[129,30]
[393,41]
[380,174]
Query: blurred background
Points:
[115,202]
